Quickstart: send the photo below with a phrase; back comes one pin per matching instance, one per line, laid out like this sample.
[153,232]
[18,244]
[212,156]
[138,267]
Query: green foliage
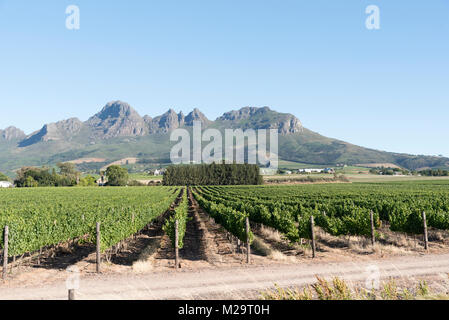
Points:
[3,177]
[46,177]
[434,173]
[117,176]
[338,209]
[88,181]
[30,182]
[232,220]
[181,213]
[135,183]
[48,216]
[212,174]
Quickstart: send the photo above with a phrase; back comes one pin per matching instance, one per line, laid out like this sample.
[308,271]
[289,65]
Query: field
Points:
[143,177]
[352,176]
[338,209]
[54,228]
[48,216]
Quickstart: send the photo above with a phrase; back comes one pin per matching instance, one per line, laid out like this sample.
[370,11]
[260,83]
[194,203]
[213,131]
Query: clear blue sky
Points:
[386,89]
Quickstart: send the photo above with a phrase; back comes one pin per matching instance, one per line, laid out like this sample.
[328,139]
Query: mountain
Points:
[118,132]
[117,119]
[61,130]
[166,122]
[261,118]
[12,133]
[196,115]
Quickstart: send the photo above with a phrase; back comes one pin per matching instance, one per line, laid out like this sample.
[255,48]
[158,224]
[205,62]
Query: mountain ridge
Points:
[118,131]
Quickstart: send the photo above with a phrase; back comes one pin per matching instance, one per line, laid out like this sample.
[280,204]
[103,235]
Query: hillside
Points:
[118,132]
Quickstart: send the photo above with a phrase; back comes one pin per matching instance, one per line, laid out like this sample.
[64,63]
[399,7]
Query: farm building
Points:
[311,170]
[159,172]
[6,184]
[268,171]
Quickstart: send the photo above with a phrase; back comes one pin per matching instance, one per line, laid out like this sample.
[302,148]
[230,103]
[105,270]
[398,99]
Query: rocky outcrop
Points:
[117,119]
[61,130]
[196,115]
[12,133]
[166,122]
[261,118]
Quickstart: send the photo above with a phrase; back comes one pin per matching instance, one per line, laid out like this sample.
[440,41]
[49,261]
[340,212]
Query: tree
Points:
[43,177]
[3,177]
[117,176]
[212,174]
[88,181]
[30,182]
[68,170]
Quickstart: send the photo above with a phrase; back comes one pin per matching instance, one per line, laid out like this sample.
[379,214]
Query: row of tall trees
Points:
[434,173]
[212,174]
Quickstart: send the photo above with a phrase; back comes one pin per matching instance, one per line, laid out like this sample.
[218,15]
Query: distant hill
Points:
[119,132]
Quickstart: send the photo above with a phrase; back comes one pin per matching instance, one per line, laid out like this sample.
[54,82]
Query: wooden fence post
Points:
[373,234]
[312,231]
[176,244]
[426,239]
[98,247]
[248,246]
[71,294]
[5,252]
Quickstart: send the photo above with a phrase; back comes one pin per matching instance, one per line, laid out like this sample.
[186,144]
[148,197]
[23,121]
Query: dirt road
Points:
[233,283]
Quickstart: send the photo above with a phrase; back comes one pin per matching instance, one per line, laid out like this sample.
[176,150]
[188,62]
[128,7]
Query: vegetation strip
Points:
[47,216]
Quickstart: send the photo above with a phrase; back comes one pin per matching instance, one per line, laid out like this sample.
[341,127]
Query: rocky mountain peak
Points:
[116,119]
[196,115]
[261,118]
[61,130]
[12,133]
[166,122]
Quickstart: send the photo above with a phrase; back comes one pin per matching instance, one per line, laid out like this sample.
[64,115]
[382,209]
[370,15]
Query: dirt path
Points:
[236,282]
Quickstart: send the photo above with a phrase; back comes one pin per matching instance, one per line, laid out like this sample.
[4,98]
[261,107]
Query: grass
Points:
[380,178]
[302,178]
[338,289]
[284,164]
[143,176]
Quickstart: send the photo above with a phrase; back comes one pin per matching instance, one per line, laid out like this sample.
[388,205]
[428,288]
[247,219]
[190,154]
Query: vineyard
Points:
[168,227]
[337,209]
[48,216]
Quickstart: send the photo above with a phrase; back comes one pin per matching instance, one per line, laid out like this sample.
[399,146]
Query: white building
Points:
[159,172]
[6,184]
[267,171]
[311,170]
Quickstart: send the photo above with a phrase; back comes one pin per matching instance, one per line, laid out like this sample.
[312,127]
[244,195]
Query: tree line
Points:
[66,176]
[212,174]
[434,173]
